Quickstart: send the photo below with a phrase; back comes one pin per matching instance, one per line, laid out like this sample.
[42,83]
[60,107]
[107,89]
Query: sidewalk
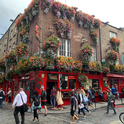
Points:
[66,109]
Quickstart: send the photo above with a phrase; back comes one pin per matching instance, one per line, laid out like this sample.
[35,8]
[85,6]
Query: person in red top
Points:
[53,97]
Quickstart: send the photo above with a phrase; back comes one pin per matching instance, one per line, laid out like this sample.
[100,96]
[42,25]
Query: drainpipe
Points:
[100,44]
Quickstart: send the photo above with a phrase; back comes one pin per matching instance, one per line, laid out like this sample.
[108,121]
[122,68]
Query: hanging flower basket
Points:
[94,35]
[10,58]
[112,57]
[2,64]
[86,53]
[82,79]
[97,23]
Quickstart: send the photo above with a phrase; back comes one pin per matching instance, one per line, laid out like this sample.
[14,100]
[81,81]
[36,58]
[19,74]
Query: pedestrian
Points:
[53,97]
[36,101]
[80,103]
[73,107]
[113,90]
[59,99]
[85,101]
[110,99]
[15,93]
[89,96]
[2,96]
[18,104]
[9,94]
[101,93]
[93,94]
[123,89]
[116,91]
[44,99]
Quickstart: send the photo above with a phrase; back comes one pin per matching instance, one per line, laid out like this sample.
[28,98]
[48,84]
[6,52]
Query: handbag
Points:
[85,99]
[25,107]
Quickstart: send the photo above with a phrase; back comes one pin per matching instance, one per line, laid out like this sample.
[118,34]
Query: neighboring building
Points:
[107,31]
[9,39]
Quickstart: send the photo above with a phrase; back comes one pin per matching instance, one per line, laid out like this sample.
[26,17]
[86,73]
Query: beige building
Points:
[9,39]
[106,32]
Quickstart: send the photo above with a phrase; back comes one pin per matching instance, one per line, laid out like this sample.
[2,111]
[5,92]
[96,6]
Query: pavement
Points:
[63,117]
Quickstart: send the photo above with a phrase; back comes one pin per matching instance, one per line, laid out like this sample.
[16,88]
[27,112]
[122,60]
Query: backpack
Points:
[1,94]
[90,95]
[37,101]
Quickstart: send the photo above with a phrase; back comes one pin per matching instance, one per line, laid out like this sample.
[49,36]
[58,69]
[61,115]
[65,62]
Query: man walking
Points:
[53,97]
[110,98]
[44,99]
[18,103]
[2,94]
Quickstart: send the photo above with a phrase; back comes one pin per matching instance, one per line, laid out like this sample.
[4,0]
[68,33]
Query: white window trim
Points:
[66,48]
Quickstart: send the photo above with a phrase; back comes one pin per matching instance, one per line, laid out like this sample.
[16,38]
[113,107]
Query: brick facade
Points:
[79,35]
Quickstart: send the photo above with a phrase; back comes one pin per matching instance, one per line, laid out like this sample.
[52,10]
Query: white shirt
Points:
[81,100]
[3,94]
[18,100]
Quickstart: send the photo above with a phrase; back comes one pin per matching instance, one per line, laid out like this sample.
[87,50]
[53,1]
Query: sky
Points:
[105,10]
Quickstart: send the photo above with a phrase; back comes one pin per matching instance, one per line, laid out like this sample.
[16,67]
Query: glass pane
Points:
[20,84]
[72,82]
[27,85]
[64,82]
[23,84]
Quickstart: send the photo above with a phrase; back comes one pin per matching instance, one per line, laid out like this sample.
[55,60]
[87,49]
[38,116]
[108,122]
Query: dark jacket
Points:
[43,95]
[73,102]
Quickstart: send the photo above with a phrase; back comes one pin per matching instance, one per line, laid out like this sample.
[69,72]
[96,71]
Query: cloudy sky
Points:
[105,10]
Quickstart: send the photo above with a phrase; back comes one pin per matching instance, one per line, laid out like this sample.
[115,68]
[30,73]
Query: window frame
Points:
[93,52]
[114,34]
[67,50]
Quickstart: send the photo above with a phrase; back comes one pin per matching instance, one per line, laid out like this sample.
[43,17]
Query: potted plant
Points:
[53,43]
[105,70]
[115,43]
[46,5]
[94,35]
[82,79]
[112,57]
[86,53]
[97,23]
[118,68]
[76,67]
[2,64]
[10,58]
[79,18]
[21,50]
[94,67]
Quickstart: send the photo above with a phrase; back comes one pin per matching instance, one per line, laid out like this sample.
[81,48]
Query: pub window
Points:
[23,84]
[94,56]
[65,48]
[27,85]
[64,81]
[95,84]
[72,82]
[20,84]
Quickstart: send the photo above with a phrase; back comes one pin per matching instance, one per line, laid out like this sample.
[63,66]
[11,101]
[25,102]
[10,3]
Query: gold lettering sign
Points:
[52,77]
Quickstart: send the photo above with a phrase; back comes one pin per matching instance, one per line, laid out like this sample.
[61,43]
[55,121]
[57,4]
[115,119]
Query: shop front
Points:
[65,81]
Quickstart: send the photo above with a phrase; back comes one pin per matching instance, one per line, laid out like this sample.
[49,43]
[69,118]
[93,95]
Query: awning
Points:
[115,75]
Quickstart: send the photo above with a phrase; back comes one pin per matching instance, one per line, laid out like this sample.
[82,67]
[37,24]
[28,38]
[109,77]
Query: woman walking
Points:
[9,96]
[36,101]
[73,107]
[85,101]
[59,99]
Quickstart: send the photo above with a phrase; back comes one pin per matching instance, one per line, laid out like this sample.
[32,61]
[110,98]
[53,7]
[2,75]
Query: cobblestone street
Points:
[96,117]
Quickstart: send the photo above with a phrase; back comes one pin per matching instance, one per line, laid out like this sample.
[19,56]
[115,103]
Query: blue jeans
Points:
[52,101]
[110,104]
[117,94]
[102,96]
[1,103]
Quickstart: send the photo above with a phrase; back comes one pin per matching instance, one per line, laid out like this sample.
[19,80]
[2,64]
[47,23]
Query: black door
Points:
[49,88]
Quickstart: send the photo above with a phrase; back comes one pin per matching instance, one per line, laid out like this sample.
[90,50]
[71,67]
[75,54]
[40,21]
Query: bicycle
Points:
[121,117]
